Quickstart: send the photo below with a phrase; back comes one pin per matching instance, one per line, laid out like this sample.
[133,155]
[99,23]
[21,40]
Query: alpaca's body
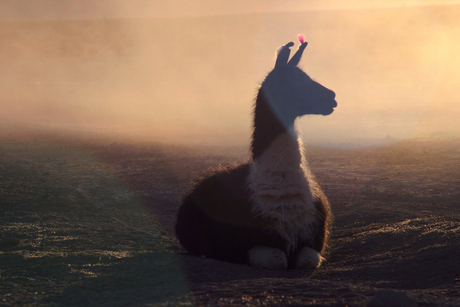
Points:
[228,231]
[268,212]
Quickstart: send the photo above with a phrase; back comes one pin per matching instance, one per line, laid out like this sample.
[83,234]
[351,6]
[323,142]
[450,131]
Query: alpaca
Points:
[268,212]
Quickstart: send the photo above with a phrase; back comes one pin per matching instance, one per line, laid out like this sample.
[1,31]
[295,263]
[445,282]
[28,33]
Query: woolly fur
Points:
[283,189]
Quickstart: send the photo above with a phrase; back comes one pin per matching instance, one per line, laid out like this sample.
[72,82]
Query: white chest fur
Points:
[281,189]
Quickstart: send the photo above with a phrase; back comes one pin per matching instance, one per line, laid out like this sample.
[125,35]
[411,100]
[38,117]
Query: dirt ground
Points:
[90,223]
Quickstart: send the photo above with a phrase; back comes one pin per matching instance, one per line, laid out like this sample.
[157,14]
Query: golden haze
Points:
[193,79]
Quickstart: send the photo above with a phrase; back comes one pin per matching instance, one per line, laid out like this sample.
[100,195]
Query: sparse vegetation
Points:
[73,235]
[92,224]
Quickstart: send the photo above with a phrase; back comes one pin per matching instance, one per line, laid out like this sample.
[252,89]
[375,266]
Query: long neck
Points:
[279,179]
[267,126]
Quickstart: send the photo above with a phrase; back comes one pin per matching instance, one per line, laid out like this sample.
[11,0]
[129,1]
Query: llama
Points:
[268,212]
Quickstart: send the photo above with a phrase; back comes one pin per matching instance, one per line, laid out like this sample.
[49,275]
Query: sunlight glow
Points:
[122,70]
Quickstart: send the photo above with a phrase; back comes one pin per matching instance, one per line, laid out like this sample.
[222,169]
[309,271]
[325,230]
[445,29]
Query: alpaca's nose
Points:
[334,103]
[332,94]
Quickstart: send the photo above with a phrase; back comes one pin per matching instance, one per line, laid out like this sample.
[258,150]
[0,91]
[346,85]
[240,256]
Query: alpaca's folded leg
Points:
[267,257]
[308,258]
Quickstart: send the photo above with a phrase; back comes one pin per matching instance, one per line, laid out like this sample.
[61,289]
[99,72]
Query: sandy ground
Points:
[87,223]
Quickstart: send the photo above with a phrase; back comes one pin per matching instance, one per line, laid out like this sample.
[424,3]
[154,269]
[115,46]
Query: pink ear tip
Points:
[301,38]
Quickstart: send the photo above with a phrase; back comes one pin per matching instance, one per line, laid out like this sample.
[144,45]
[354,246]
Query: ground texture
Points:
[90,223]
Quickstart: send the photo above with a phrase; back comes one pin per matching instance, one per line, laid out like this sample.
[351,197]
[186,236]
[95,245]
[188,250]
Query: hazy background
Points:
[188,71]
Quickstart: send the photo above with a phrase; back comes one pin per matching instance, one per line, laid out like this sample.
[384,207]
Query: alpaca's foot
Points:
[308,258]
[267,257]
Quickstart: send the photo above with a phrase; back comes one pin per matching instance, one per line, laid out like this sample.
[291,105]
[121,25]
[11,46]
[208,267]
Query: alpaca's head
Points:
[291,92]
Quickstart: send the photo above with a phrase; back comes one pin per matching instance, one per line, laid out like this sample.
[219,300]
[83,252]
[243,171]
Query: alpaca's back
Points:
[223,194]
[215,217]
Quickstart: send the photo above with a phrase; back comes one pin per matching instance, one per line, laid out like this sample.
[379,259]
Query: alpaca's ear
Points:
[296,57]
[283,55]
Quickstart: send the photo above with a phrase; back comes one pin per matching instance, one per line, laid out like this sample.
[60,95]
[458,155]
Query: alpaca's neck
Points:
[279,166]
[281,184]
[267,126]
[281,187]
[281,169]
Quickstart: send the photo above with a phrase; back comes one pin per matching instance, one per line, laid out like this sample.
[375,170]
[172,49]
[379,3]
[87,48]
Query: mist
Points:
[193,79]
